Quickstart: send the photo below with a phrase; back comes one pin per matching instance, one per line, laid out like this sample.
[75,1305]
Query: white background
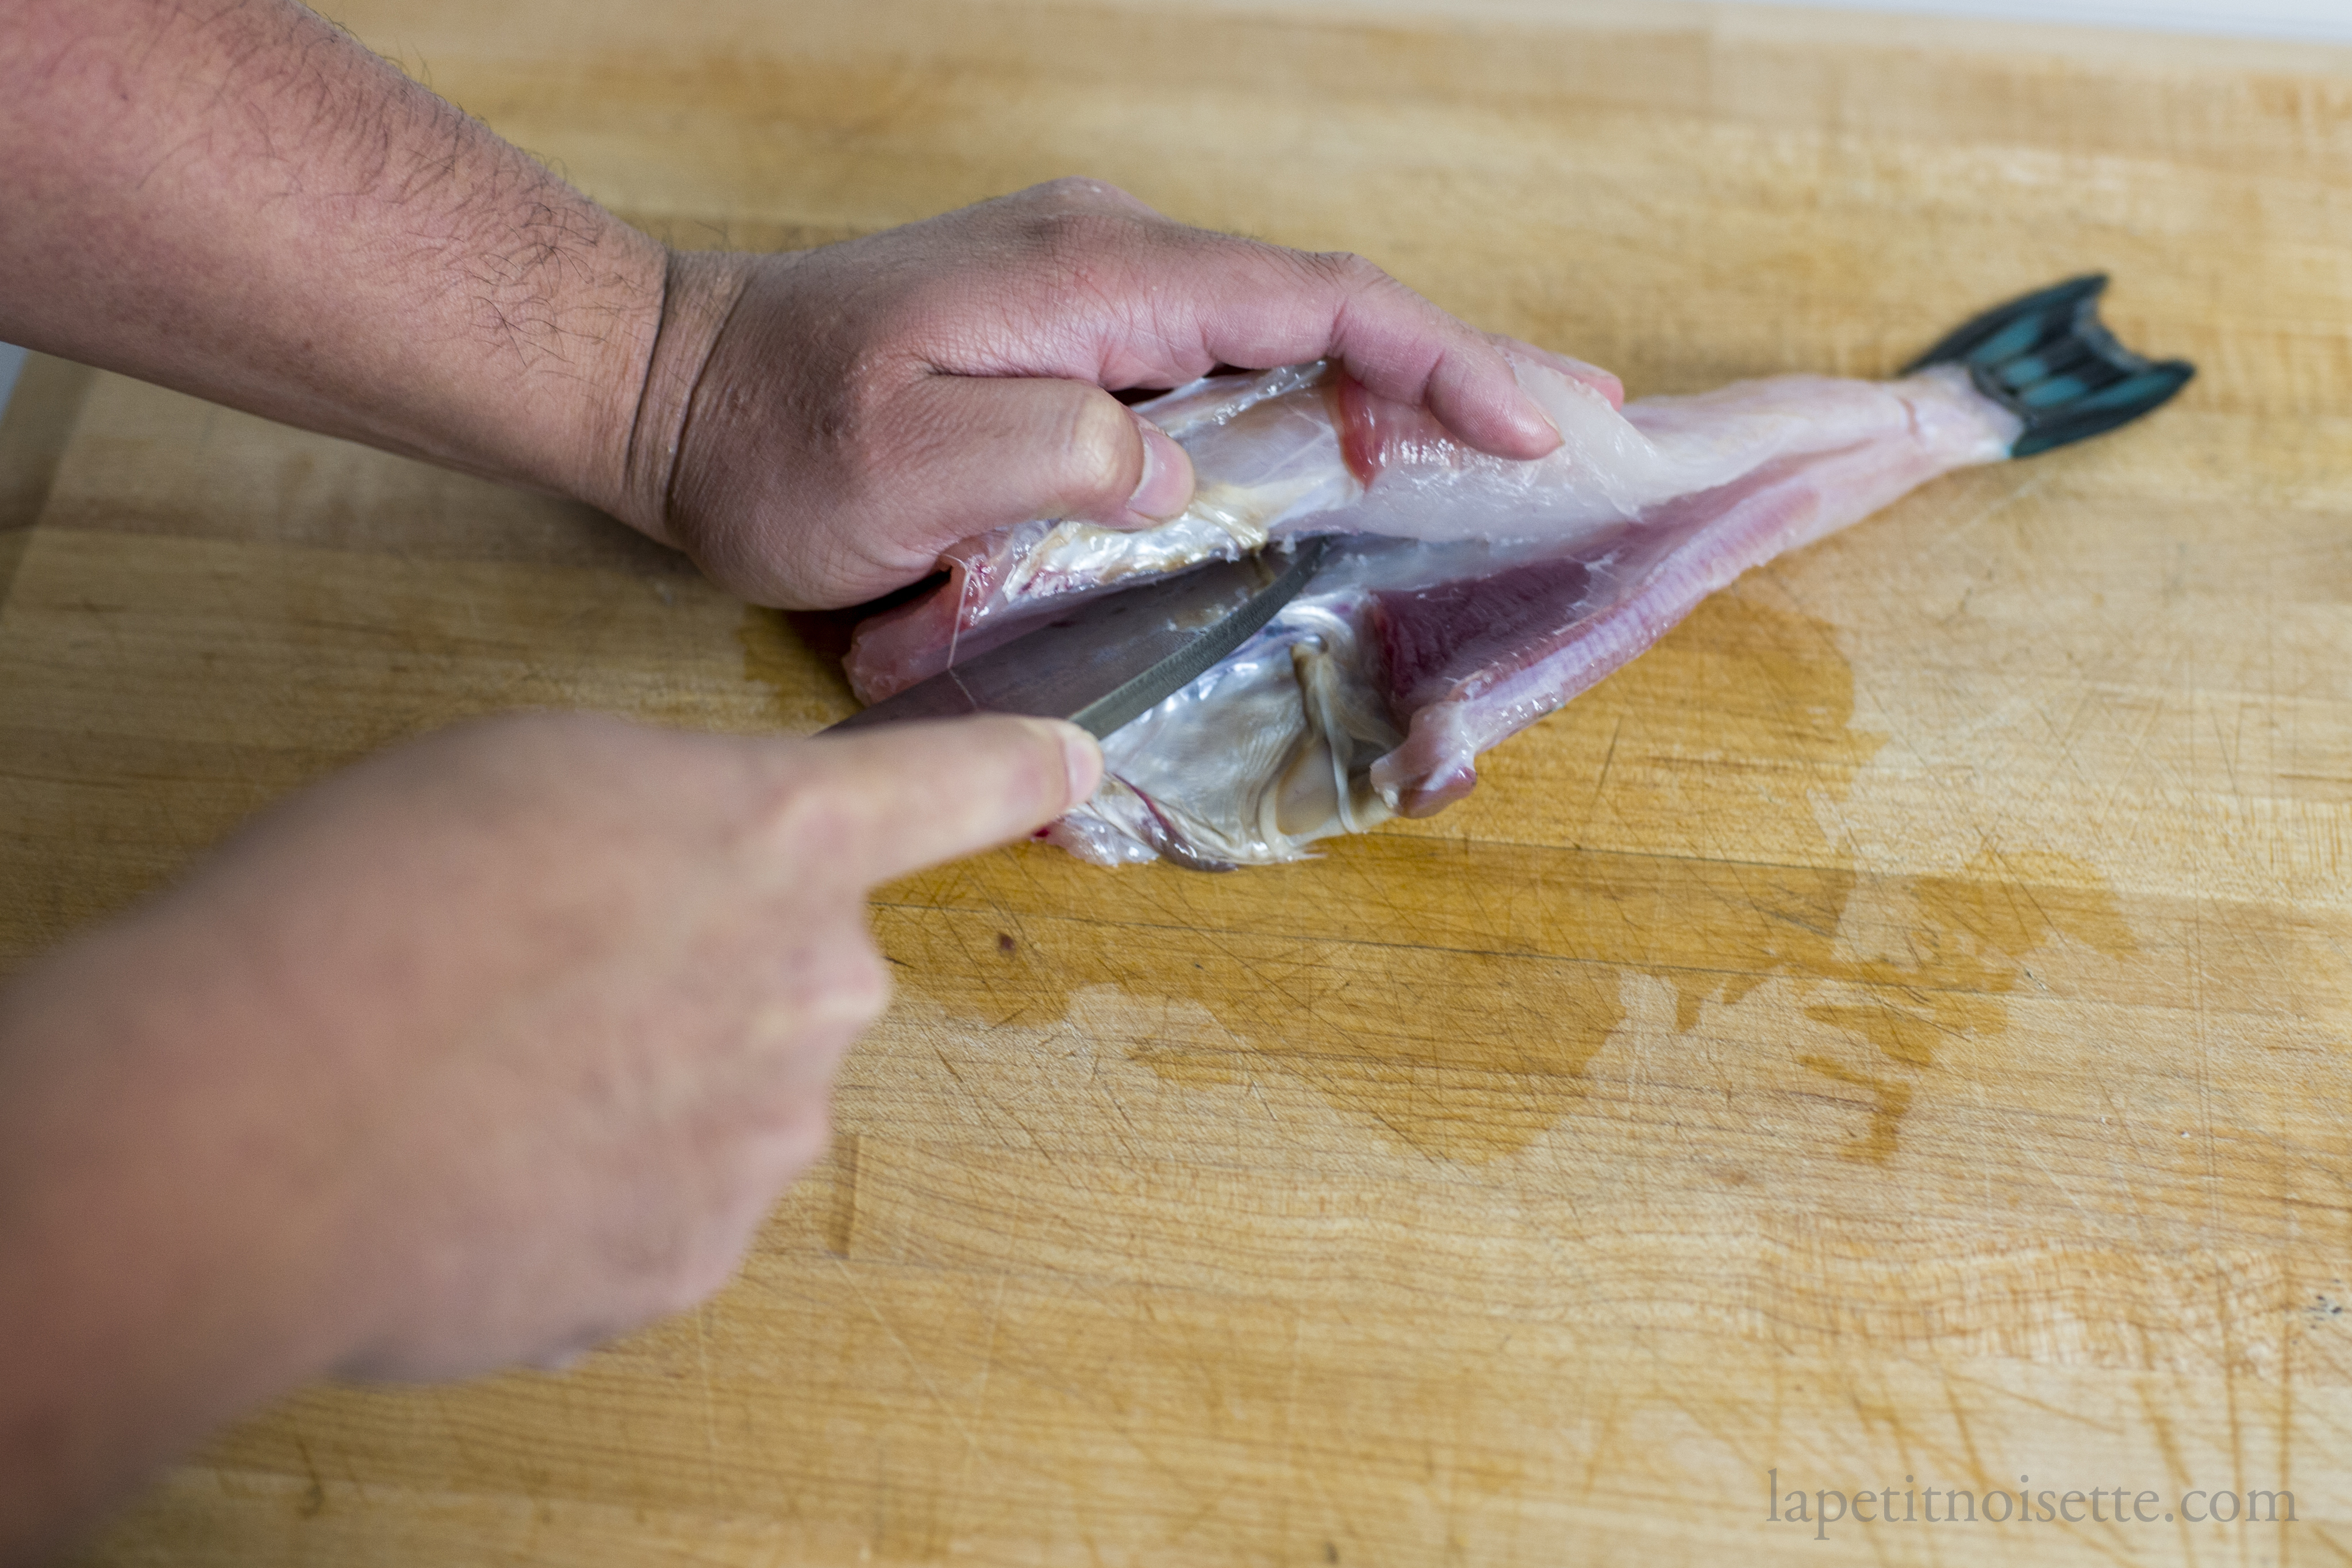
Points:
[2321,19]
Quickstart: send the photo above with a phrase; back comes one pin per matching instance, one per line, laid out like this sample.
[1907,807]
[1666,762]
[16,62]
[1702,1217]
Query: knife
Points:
[1109,658]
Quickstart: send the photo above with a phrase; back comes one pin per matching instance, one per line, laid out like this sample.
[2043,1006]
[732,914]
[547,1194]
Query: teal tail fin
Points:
[2047,359]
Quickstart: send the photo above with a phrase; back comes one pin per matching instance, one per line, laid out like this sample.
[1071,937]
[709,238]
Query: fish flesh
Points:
[1469,595]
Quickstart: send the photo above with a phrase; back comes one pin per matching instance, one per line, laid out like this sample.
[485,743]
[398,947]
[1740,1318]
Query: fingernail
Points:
[1081,760]
[1541,433]
[1536,427]
[1166,488]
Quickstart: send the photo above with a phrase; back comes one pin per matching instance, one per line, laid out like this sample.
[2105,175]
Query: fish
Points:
[1465,596]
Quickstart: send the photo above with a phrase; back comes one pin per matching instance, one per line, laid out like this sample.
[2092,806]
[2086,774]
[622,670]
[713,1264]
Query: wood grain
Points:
[1896,1029]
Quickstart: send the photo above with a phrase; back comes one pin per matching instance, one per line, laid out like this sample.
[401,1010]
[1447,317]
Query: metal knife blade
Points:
[1110,658]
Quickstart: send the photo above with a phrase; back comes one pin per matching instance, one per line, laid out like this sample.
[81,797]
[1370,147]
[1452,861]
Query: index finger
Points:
[1163,303]
[904,796]
[1244,302]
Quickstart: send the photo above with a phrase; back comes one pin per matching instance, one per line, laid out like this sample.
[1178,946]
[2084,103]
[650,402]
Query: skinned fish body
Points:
[1471,595]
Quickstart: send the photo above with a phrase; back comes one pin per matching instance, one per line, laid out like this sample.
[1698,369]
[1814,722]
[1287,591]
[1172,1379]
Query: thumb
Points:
[1005,449]
[904,796]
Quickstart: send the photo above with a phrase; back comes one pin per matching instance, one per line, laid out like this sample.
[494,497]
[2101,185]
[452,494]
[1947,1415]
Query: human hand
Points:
[813,427]
[860,407]
[489,1049]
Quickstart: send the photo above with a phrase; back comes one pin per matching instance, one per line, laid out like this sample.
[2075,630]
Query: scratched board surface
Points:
[1890,1039]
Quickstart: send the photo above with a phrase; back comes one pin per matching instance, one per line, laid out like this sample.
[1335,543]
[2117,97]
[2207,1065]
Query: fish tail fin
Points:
[2047,359]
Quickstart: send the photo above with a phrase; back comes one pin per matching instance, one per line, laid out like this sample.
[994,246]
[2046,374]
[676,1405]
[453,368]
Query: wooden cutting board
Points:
[1893,1036]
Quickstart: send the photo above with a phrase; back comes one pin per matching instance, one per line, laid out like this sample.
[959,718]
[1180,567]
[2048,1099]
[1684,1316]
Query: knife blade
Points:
[1109,657]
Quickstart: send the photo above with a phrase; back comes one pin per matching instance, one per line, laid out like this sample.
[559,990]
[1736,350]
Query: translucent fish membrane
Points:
[1472,595]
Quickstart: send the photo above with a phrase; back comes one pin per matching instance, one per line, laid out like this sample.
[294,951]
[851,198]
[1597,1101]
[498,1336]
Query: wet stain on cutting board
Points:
[1452,993]
[1893,967]
[1928,958]
[1390,1049]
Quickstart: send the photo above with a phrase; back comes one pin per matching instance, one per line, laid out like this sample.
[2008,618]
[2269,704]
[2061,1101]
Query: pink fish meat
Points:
[1471,595]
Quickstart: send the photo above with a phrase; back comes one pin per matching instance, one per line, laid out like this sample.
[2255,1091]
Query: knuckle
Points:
[825,993]
[849,989]
[1100,454]
[1074,236]
[1068,191]
[863,981]
[765,1159]
[1350,271]
[850,424]
[1078,194]
[795,1149]
[713,1238]
[1086,259]
[702,1274]
[808,823]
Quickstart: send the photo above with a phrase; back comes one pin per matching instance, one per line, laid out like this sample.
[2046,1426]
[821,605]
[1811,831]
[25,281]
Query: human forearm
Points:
[484,1051]
[167,1245]
[234,198]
